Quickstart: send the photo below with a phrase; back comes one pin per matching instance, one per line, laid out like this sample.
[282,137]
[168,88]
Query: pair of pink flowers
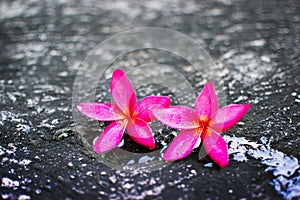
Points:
[202,123]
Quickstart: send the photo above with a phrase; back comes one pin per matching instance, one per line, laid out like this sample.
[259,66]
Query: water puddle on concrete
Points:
[286,169]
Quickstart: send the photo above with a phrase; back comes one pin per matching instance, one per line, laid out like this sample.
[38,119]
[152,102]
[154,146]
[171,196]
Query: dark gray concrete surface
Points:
[256,45]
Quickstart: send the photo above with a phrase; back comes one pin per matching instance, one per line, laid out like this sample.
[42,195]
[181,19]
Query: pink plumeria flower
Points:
[205,122]
[125,114]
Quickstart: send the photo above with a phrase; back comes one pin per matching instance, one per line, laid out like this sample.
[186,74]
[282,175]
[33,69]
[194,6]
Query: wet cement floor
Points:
[255,45]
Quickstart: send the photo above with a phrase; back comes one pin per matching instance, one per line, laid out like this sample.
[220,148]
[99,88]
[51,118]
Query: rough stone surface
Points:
[256,45]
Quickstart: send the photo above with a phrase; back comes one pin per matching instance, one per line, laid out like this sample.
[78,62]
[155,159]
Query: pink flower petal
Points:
[140,132]
[216,147]
[178,117]
[182,145]
[100,111]
[144,108]
[227,116]
[122,91]
[206,103]
[110,138]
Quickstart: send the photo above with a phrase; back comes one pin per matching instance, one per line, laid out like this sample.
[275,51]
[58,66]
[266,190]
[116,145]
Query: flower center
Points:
[133,114]
[203,124]
[199,130]
[204,121]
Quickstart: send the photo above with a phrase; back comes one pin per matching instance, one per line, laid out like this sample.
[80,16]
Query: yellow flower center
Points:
[203,124]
